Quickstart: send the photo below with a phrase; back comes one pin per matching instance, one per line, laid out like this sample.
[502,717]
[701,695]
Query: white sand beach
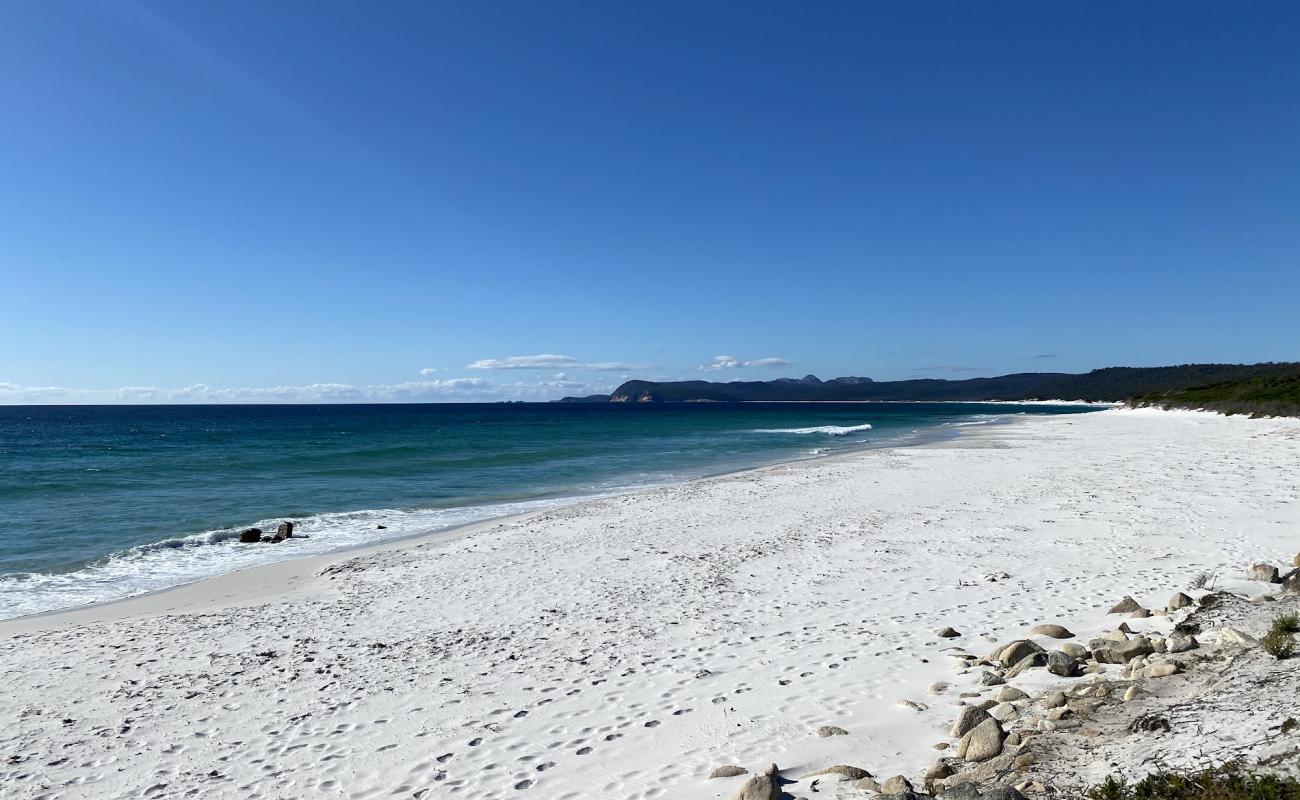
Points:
[624,647]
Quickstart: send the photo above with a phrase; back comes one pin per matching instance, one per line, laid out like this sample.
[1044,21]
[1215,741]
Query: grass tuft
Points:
[1229,782]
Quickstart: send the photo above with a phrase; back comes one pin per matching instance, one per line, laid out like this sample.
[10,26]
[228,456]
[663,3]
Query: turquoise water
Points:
[102,502]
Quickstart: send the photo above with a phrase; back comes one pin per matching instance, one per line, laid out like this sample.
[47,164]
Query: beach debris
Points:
[947,633]
[1051,630]
[1179,600]
[895,785]
[1126,606]
[1149,723]
[831,730]
[982,742]
[1262,572]
[846,770]
[283,531]
[727,771]
[250,535]
[967,720]
[1059,663]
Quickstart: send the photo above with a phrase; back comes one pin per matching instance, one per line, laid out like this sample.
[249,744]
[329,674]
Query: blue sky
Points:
[423,201]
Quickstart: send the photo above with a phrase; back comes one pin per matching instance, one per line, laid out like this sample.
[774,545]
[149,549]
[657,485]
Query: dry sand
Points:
[624,647]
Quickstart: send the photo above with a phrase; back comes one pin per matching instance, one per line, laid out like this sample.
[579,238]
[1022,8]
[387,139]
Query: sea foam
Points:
[829,430]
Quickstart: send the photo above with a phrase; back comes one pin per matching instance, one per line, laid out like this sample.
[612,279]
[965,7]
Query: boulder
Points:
[962,791]
[1016,651]
[938,688]
[1003,793]
[947,633]
[1231,637]
[250,535]
[1162,670]
[1004,712]
[991,679]
[1123,652]
[831,730]
[1295,562]
[982,743]
[1181,644]
[1126,606]
[1141,613]
[1054,631]
[845,770]
[868,784]
[283,531]
[1059,663]
[1054,700]
[727,771]
[761,787]
[938,771]
[1028,662]
[967,720]
[1262,572]
[1010,694]
[1179,600]
[1074,649]
[895,785]
[1291,582]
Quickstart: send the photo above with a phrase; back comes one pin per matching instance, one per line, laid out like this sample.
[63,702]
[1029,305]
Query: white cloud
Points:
[549,361]
[427,371]
[450,389]
[731,362]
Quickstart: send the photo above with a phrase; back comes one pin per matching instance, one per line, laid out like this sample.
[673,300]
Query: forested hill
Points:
[1114,384]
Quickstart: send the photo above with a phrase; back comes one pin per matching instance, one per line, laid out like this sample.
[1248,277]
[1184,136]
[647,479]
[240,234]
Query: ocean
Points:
[103,502]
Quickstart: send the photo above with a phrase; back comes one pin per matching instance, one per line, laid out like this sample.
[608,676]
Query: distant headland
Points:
[1270,388]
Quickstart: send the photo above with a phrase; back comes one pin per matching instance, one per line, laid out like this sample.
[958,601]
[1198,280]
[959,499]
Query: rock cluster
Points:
[255,535]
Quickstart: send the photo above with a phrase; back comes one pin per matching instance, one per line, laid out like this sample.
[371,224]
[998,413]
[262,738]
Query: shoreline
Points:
[98,611]
[628,646]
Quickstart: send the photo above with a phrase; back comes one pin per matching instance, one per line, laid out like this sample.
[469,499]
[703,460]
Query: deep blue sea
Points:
[103,502]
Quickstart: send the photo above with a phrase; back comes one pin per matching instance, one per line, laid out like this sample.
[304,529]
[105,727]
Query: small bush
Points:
[1229,782]
[1279,643]
[1287,623]
[1204,581]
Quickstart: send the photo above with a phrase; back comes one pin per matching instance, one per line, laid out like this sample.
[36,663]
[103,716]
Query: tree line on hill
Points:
[1270,388]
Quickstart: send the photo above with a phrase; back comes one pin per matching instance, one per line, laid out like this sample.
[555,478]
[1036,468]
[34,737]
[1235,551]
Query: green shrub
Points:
[1278,643]
[1287,623]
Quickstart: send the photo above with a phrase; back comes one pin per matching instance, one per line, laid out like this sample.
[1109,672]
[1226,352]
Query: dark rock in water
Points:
[284,531]
[1059,663]
[381,527]
[250,535]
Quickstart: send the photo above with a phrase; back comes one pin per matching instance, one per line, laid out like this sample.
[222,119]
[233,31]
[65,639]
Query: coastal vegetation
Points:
[1272,394]
[1229,782]
[1264,389]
